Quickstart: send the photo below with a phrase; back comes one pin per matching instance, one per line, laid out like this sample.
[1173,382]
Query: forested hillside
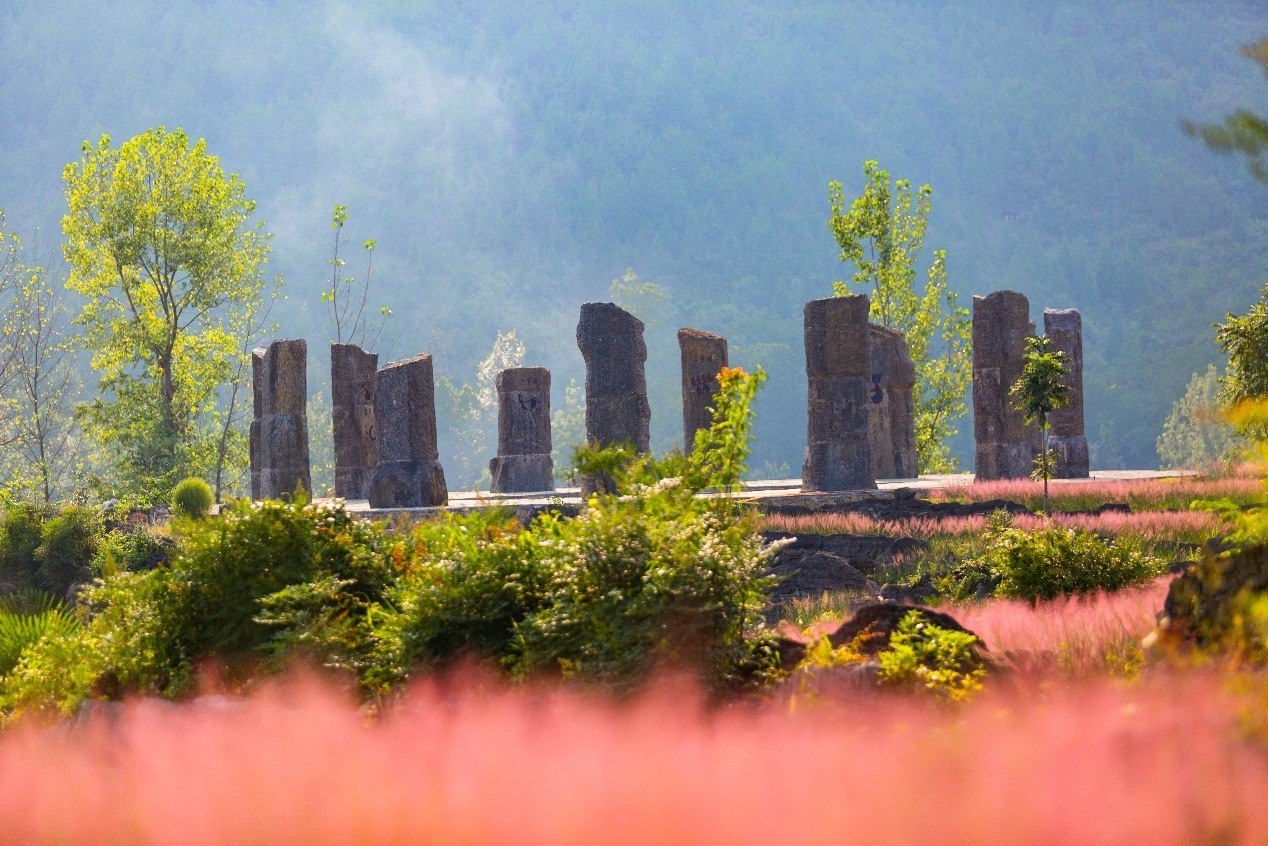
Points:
[511,160]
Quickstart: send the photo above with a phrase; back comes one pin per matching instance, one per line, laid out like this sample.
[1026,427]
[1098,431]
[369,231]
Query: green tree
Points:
[44,389]
[882,233]
[1039,391]
[162,248]
[1243,131]
[16,277]
[1196,434]
[347,296]
[1245,339]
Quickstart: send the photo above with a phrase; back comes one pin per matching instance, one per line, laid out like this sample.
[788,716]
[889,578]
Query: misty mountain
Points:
[511,160]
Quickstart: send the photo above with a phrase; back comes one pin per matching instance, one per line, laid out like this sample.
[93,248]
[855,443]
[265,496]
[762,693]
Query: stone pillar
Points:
[352,393]
[1064,326]
[279,430]
[838,455]
[408,474]
[891,410]
[1006,446]
[703,355]
[611,342]
[523,461]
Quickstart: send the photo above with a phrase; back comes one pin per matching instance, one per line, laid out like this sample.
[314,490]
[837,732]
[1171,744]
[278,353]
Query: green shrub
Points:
[653,577]
[225,568]
[132,551]
[19,538]
[135,639]
[926,656]
[192,499]
[68,543]
[1057,561]
[25,619]
[466,582]
[226,596]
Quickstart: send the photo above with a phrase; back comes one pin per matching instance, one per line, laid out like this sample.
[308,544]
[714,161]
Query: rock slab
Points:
[408,473]
[279,428]
[523,463]
[891,408]
[1006,445]
[704,354]
[838,451]
[1067,437]
[352,380]
[617,411]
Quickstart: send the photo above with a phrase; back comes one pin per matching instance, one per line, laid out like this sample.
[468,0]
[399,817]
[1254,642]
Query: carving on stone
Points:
[523,461]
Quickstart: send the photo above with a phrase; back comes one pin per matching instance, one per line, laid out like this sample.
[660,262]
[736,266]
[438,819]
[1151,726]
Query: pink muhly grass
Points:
[1147,493]
[1153,524]
[1155,763]
[1074,635]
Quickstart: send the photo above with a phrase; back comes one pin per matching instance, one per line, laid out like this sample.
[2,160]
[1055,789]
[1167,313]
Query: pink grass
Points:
[1140,493]
[1148,523]
[1157,763]
[1073,636]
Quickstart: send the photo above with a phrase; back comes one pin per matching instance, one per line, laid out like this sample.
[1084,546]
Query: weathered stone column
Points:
[408,474]
[1064,326]
[611,342]
[891,410]
[1006,446]
[279,430]
[352,372]
[838,455]
[703,355]
[523,461]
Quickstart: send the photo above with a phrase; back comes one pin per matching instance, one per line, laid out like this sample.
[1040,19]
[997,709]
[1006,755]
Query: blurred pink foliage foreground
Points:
[1158,762]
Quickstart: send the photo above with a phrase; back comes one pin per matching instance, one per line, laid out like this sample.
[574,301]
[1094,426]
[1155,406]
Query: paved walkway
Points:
[771,491]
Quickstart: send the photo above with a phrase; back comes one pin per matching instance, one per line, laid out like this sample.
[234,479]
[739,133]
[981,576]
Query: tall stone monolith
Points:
[352,372]
[1064,327]
[1006,445]
[523,461]
[703,356]
[408,474]
[838,453]
[611,342]
[891,411]
[279,430]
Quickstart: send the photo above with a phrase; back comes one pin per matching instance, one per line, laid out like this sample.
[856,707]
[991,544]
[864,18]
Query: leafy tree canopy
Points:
[161,246]
[882,233]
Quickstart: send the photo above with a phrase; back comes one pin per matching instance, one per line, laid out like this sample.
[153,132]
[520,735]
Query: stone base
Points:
[596,483]
[408,484]
[354,483]
[1072,456]
[522,473]
[280,483]
[1004,461]
[837,467]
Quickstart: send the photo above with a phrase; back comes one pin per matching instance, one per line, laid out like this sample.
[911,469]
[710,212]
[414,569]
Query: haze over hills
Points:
[511,161]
